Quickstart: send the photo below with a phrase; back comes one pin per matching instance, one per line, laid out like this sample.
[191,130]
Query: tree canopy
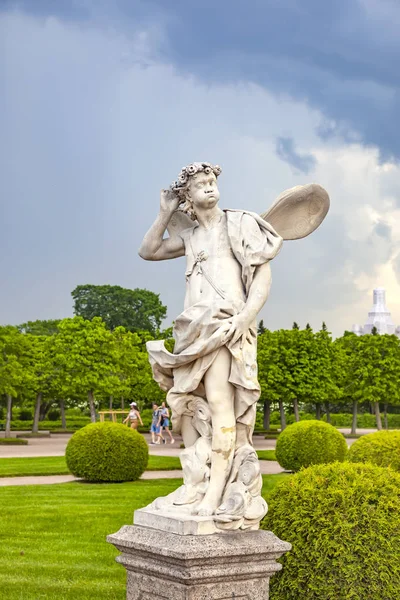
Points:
[135,310]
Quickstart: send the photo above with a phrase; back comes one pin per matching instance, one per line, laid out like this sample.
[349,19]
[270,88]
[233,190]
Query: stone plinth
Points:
[166,566]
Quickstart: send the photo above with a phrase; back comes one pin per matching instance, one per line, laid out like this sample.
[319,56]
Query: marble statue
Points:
[211,375]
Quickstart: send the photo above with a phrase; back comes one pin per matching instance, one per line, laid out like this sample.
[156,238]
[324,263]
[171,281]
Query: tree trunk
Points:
[378,417]
[354,420]
[296,410]
[122,404]
[318,412]
[385,417]
[267,415]
[44,409]
[92,406]
[283,416]
[328,412]
[36,416]
[8,416]
[110,403]
[63,419]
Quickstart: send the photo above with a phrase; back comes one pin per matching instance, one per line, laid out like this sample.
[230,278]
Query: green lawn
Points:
[53,537]
[266,454]
[55,465]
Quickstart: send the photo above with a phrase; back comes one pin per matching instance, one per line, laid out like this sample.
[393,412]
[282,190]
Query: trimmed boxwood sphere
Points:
[381,448]
[309,443]
[343,521]
[107,452]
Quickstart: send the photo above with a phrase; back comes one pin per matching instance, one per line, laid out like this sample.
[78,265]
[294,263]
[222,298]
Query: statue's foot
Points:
[207,507]
[205,511]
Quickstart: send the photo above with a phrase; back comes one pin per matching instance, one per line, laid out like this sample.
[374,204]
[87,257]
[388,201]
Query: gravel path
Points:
[268,467]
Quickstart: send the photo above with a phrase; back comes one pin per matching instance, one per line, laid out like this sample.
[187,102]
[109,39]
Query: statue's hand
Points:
[239,328]
[169,201]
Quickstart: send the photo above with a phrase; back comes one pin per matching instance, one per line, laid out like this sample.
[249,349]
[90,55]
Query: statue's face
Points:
[203,190]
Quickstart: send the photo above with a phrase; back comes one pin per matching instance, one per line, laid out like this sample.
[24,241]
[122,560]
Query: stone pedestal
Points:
[170,566]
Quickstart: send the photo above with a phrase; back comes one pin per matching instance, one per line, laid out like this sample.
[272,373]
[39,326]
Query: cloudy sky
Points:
[103,101]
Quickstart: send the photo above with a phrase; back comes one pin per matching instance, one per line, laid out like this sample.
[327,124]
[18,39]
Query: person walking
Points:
[134,416]
[165,421]
[156,426]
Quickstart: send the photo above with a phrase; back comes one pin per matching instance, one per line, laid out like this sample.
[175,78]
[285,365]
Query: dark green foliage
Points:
[261,328]
[381,448]
[25,415]
[107,452]
[135,310]
[365,420]
[309,443]
[343,521]
[49,327]
[54,414]
[31,434]
[72,424]
[12,442]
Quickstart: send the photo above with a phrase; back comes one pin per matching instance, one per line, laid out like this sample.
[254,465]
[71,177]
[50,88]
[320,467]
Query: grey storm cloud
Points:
[285,149]
[341,57]
[383,230]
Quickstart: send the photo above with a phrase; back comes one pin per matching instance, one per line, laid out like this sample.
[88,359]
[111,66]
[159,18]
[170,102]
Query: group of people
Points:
[159,423]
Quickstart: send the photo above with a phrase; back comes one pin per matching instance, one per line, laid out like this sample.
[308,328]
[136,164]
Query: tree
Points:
[261,328]
[86,360]
[376,370]
[134,310]
[14,372]
[346,358]
[49,327]
[275,362]
[326,369]
[268,372]
[42,371]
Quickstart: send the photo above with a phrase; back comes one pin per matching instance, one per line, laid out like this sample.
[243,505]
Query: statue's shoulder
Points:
[185,234]
[244,217]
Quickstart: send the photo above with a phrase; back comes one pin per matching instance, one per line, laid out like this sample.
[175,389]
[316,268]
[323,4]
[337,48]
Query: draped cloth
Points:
[202,329]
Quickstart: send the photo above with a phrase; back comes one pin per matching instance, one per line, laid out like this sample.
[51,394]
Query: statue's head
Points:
[197,186]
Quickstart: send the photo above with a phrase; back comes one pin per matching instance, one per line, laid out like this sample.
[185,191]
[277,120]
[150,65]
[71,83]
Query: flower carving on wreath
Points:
[191,170]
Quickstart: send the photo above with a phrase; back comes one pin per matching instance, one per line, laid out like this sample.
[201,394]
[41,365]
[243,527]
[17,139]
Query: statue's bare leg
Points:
[220,397]
[189,433]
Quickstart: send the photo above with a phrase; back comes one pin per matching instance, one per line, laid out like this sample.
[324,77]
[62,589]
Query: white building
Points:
[378,317]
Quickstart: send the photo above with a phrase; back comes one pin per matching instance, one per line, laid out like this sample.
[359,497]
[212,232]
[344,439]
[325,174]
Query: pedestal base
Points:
[166,566]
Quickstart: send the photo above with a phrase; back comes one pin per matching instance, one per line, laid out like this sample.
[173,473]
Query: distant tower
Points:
[357,329]
[379,316]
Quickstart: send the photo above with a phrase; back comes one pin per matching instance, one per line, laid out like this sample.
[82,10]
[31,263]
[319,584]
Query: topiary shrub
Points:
[309,443]
[54,414]
[343,521]
[25,415]
[107,452]
[381,448]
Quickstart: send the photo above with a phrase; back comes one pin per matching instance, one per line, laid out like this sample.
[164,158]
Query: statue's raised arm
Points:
[154,246]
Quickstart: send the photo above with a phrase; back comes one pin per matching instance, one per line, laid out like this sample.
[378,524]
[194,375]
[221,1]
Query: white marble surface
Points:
[211,376]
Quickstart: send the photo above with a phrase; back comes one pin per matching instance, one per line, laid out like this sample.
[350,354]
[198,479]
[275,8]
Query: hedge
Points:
[13,442]
[309,443]
[73,423]
[381,448]
[343,521]
[107,452]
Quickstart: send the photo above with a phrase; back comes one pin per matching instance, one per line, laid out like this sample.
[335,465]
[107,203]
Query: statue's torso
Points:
[217,269]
